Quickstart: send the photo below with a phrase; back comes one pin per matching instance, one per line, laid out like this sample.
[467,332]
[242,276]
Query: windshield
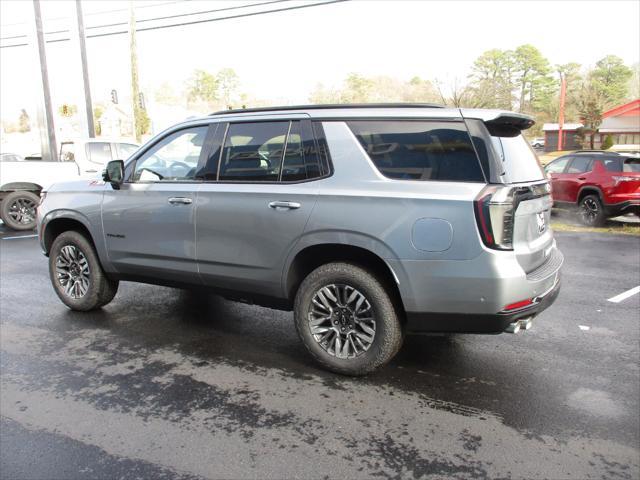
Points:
[520,161]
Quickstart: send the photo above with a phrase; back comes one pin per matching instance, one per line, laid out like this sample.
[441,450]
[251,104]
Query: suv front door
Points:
[255,207]
[149,221]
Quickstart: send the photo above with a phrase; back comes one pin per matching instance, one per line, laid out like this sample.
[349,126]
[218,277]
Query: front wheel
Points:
[591,211]
[346,319]
[18,210]
[76,273]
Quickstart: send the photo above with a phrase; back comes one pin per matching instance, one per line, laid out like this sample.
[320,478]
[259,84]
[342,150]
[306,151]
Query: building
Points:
[570,132]
[622,123]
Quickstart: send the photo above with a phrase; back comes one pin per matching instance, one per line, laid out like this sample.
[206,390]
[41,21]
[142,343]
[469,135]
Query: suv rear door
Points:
[254,203]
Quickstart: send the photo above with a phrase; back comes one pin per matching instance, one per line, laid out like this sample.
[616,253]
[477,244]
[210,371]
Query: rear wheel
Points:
[591,211]
[76,273]
[346,319]
[18,210]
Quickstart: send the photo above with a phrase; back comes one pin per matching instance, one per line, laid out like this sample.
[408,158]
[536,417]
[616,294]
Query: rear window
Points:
[99,152]
[520,161]
[622,164]
[419,150]
[631,165]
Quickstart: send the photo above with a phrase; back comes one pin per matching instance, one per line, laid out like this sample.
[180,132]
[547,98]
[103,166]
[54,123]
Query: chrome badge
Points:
[541,221]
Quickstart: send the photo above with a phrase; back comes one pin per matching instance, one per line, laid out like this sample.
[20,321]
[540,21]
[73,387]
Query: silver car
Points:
[367,221]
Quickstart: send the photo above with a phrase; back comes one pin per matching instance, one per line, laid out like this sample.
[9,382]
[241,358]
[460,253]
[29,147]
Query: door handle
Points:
[179,200]
[582,178]
[285,205]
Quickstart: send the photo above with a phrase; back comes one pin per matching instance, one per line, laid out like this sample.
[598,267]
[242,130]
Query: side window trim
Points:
[284,151]
[133,163]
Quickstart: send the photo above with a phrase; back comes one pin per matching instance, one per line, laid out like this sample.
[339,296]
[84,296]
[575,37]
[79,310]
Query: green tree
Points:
[611,76]
[591,103]
[608,143]
[357,89]
[634,83]
[202,87]
[98,110]
[24,123]
[227,84]
[533,79]
[492,81]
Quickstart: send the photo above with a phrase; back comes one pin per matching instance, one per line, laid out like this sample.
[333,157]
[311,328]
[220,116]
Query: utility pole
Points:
[563,94]
[45,114]
[86,113]
[140,119]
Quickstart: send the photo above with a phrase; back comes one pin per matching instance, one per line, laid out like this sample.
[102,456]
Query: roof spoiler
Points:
[509,124]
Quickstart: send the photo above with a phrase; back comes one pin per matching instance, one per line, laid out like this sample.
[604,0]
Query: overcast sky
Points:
[282,56]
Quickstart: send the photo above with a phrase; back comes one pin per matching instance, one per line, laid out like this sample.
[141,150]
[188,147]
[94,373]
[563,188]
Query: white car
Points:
[537,142]
[22,180]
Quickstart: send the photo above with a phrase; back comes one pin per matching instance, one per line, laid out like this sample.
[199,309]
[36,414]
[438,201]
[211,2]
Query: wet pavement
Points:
[165,383]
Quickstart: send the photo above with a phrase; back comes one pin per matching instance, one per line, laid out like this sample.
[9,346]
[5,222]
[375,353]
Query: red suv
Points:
[601,184]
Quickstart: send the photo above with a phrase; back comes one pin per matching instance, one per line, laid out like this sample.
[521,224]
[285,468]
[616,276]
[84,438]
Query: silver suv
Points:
[365,220]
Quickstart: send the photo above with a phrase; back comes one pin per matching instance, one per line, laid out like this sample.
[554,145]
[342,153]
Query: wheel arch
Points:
[589,190]
[59,222]
[311,257]
[15,186]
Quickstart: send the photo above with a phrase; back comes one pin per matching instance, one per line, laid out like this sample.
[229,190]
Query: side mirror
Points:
[114,173]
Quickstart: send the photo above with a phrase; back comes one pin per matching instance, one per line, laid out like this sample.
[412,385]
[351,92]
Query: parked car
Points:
[22,180]
[366,221]
[537,142]
[601,184]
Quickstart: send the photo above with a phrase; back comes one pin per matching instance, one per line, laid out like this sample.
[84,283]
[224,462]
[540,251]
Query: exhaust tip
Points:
[526,324]
[513,327]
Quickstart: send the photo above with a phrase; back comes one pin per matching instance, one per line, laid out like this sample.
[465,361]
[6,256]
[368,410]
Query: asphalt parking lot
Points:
[164,383]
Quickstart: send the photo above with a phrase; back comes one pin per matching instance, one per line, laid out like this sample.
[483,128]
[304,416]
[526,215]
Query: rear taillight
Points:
[495,209]
[619,179]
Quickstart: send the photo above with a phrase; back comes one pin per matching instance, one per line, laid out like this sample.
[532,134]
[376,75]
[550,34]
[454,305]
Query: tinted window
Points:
[99,152]
[174,158]
[253,151]
[520,161]
[631,165]
[612,164]
[558,165]
[417,150]
[580,165]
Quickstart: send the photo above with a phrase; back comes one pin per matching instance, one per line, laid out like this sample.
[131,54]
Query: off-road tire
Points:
[388,337]
[101,289]
[6,210]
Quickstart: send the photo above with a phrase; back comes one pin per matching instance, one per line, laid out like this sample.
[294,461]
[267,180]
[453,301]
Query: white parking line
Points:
[624,295]
[20,236]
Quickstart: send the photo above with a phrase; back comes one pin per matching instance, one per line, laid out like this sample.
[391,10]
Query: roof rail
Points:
[597,151]
[329,105]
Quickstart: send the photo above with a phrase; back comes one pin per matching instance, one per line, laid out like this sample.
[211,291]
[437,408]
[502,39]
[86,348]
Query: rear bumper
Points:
[627,206]
[480,323]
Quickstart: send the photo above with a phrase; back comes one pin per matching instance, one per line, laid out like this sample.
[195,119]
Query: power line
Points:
[194,22]
[102,12]
[157,18]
